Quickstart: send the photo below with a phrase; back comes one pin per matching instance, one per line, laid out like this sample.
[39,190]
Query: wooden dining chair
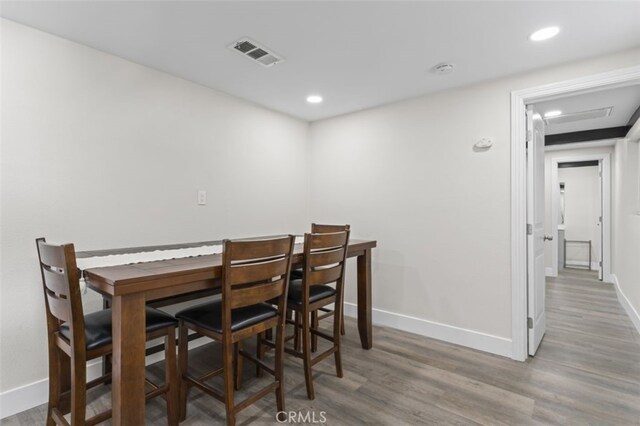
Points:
[253,272]
[75,338]
[317,228]
[324,263]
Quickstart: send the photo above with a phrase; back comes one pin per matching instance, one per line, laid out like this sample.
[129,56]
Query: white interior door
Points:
[535,229]
[600,227]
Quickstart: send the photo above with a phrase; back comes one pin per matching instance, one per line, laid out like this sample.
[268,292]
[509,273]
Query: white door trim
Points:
[605,158]
[519,99]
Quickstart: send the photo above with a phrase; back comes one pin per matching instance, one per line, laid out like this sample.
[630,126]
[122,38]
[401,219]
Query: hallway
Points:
[591,342]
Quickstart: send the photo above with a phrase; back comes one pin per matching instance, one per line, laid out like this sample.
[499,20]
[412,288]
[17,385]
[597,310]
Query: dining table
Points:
[130,287]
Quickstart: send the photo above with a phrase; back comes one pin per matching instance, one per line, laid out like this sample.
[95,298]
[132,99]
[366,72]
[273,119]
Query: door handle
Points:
[548,237]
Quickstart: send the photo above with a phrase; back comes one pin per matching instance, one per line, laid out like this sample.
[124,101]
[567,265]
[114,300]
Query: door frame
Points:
[605,159]
[519,100]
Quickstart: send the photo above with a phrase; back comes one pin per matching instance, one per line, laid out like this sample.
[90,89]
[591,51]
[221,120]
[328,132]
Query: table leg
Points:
[364,299]
[128,396]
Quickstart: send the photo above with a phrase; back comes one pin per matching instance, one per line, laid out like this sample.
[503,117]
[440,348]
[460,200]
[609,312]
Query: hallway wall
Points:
[626,225]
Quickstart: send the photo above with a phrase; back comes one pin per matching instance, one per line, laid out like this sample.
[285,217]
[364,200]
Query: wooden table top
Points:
[131,278]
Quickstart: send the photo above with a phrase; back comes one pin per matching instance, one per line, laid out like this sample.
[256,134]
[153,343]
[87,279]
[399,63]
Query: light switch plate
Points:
[202,198]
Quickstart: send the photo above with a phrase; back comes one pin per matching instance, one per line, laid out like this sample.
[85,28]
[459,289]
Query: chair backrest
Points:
[255,271]
[61,285]
[317,228]
[325,256]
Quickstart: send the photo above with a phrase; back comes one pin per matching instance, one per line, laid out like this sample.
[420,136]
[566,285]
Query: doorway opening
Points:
[579,214]
[528,265]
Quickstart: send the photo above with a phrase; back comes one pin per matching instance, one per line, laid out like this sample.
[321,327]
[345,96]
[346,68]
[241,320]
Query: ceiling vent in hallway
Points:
[579,116]
[256,52]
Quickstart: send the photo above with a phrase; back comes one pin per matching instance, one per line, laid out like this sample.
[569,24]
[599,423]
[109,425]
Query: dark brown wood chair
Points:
[75,338]
[324,263]
[317,228]
[253,272]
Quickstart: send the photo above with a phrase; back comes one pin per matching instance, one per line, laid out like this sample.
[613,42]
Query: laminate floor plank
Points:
[586,372]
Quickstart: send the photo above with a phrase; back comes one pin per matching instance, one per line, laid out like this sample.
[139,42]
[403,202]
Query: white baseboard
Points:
[548,272]
[28,396]
[628,307]
[22,398]
[459,336]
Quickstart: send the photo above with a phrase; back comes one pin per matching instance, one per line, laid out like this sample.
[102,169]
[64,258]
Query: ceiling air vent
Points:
[579,116]
[256,52]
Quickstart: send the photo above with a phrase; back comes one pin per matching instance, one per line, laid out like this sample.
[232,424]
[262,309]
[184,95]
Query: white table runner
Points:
[148,256]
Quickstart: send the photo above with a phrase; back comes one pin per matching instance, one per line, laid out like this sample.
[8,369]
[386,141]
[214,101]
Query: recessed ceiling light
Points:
[553,113]
[544,34]
[314,99]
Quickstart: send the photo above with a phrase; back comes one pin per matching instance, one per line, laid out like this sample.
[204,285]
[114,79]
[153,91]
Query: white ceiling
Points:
[624,100]
[356,54]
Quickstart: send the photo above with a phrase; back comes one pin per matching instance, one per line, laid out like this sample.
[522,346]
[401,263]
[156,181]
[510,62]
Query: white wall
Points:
[406,174]
[105,153]
[626,225]
[582,210]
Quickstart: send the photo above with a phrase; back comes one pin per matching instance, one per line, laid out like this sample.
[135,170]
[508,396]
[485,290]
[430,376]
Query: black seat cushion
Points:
[296,274]
[209,315]
[316,292]
[97,326]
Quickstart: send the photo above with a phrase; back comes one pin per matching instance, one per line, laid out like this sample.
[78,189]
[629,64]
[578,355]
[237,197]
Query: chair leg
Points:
[78,390]
[171,377]
[227,362]
[342,323]
[238,364]
[55,382]
[279,368]
[106,360]
[314,326]
[107,367]
[296,331]
[66,380]
[259,353]
[183,362]
[337,329]
[306,352]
